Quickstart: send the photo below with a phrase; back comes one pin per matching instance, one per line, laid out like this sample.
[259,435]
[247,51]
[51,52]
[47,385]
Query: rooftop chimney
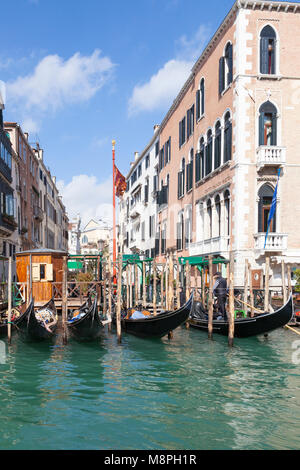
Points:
[156,127]
[136,156]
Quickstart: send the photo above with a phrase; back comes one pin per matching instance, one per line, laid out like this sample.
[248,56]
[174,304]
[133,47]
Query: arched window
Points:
[265,195]
[217,159]
[181,179]
[227,212]
[85,239]
[227,138]
[268,51]
[208,154]
[226,69]
[209,214]
[218,213]
[200,99]
[267,124]
[190,171]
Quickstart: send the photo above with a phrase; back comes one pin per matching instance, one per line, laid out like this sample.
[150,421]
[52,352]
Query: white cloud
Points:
[56,82]
[89,197]
[30,126]
[163,86]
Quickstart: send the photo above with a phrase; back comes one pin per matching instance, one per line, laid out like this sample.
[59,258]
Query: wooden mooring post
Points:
[246,278]
[231,302]
[104,278]
[119,298]
[210,298]
[109,293]
[9,295]
[284,296]
[251,291]
[267,279]
[64,305]
[171,283]
[144,285]
[154,289]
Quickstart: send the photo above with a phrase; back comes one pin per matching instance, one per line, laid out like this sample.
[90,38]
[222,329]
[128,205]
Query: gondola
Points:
[159,325]
[37,325]
[244,327]
[86,325]
[15,314]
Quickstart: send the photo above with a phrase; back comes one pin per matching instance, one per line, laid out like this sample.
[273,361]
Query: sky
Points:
[79,74]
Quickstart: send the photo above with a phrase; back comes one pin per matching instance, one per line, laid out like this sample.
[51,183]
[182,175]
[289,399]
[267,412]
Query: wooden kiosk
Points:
[40,268]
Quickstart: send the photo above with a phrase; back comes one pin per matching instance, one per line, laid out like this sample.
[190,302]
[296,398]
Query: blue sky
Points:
[79,74]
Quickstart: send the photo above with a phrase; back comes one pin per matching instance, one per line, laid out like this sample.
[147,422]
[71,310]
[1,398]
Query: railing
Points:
[77,290]
[271,155]
[212,245]
[275,242]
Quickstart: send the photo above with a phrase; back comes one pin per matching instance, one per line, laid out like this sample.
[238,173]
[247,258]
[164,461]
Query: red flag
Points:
[120,183]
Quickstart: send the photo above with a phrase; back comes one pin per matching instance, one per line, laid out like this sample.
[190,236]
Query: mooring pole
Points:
[64,306]
[9,287]
[231,302]
[154,288]
[284,297]
[119,296]
[210,298]
[267,274]
[246,277]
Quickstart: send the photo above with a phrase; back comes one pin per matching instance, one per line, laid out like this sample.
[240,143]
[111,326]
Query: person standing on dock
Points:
[220,291]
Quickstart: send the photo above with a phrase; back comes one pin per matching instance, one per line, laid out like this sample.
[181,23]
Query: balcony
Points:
[271,156]
[276,242]
[136,210]
[210,246]
[38,214]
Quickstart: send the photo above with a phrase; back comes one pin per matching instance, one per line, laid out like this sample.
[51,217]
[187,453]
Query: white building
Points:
[74,235]
[137,208]
[93,238]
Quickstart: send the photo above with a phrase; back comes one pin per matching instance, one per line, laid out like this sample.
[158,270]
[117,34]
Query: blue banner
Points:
[273,207]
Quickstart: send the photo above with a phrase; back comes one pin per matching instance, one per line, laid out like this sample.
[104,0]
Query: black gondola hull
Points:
[30,329]
[87,328]
[159,325]
[245,328]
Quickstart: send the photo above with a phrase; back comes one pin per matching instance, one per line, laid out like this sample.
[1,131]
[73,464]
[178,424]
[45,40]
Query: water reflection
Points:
[188,393]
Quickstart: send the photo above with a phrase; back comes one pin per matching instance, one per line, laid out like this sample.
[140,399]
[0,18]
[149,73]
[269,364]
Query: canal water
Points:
[188,394]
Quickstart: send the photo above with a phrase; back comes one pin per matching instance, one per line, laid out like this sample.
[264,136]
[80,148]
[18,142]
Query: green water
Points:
[188,393]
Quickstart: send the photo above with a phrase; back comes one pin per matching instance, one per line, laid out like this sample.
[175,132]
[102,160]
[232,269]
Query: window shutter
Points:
[169,149]
[197,168]
[264,55]
[35,272]
[183,130]
[221,75]
[202,97]
[261,129]
[197,104]
[49,272]
[274,129]
[180,133]
[230,65]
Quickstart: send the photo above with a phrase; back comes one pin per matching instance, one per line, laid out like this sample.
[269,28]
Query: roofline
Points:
[146,149]
[238,5]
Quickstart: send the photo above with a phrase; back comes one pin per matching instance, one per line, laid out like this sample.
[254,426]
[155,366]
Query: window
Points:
[200,100]
[182,132]
[265,194]
[267,51]
[218,141]
[181,179]
[147,161]
[227,211]
[227,138]
[168,151]
[163,239]
[190,121]
[209,213]
[208,154]
[226,69]
[139,170]
[218,213]
[189,172]
[156,149]
[161,158]
[267,124]
[180,232]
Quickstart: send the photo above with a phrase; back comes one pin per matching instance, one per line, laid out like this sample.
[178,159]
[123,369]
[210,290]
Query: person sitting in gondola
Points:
[220,292]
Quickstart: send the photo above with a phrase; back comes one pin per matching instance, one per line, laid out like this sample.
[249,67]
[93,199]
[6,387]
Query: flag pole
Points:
[114,213]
